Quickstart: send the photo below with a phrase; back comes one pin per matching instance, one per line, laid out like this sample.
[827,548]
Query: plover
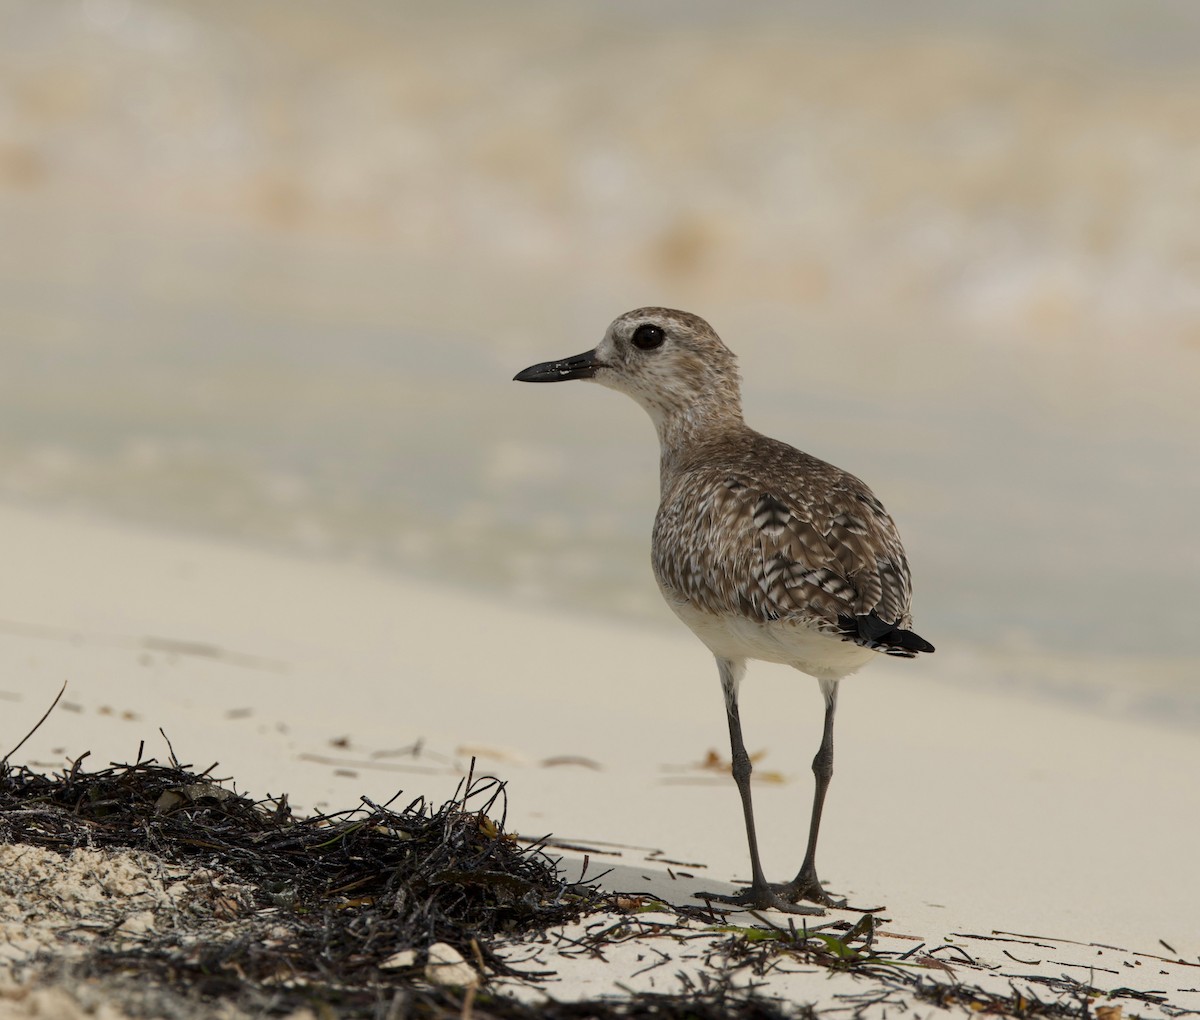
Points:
[765,552]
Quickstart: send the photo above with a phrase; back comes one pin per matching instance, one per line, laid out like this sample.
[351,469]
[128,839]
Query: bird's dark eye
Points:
[648,336]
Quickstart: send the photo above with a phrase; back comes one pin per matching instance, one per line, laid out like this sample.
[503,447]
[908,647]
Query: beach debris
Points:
[422,911]
[192,793]
[399,961]
[496,754]
[319,901]
[571,759]
[446,967]
[714,767]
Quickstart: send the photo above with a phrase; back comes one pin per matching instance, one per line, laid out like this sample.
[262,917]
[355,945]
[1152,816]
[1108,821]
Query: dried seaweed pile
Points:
[341,894]
[413,876]
[333,898]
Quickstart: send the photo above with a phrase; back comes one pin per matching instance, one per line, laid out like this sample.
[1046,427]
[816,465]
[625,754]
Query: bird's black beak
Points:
[582,366]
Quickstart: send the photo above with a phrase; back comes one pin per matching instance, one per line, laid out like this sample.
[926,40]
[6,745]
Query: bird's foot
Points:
[768,897]
[808,888]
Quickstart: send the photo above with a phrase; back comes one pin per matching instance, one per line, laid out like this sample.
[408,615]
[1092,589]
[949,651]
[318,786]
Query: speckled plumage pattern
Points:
[765,552]
[751,526]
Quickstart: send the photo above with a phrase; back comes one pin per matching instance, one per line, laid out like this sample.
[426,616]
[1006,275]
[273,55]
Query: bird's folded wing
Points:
[729,544]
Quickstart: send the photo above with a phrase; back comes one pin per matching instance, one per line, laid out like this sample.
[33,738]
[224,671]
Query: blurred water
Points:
[268,269]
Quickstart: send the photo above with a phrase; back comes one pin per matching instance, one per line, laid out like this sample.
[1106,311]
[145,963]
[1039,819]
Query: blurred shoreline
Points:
[269,268]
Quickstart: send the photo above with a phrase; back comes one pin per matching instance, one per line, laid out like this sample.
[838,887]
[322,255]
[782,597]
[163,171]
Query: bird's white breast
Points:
[793,643]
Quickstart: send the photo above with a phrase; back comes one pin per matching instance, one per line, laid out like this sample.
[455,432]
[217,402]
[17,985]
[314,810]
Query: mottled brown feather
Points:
[751,526]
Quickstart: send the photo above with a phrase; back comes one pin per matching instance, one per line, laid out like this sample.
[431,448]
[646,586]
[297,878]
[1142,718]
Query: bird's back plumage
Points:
[749,526]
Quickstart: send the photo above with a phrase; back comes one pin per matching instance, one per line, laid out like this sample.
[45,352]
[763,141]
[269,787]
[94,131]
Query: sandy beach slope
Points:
[1038,839]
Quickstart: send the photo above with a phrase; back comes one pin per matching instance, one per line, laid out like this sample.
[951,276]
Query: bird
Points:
[765,552]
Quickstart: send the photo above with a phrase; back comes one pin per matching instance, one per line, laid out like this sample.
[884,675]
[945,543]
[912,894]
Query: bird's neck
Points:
[684,433]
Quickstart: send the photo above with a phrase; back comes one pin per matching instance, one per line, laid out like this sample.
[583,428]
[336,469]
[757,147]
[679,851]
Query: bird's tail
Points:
[871,631]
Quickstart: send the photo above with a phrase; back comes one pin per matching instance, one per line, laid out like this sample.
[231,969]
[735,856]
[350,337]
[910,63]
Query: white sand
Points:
[962,809]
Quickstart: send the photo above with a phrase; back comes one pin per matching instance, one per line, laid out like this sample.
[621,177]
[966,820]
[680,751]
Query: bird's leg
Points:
[760,894]
[806,885]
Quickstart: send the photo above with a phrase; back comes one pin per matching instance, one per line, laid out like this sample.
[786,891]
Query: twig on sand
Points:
[37,726]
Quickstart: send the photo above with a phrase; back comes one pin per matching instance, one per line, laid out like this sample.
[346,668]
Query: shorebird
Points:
[765,552]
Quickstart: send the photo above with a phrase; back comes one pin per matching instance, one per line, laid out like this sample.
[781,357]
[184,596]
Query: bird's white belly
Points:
[792,643]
